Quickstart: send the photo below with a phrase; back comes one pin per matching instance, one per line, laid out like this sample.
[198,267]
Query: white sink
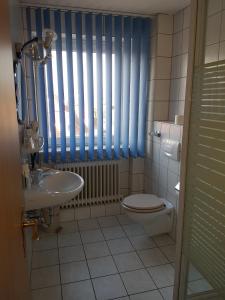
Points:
[53,189]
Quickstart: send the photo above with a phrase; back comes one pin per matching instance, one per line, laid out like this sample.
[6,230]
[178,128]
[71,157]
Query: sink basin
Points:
[54,188]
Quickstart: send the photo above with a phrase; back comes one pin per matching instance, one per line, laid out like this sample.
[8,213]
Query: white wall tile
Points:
[163,68]
[162,90]
[213,29]
[172,180]
[137,182]
[182,89]
[161,110]
[181,107]
[163,161]
[137,165]
[112,209]
[163,176]
[175,90]
[185,40]
[165,24]
[148,164]
[156,152]
[66,215]
[184,65]
[164,45]
[162,191]
[214,6]
[211,53]
[187,15]
[97,211]
[178,21]
[148,185]
[177,43]
[155,171]
[222,33]
[124,165]
[222,51]
[82,213]
[153,47]
[124,192]
[174,166]
[124,180]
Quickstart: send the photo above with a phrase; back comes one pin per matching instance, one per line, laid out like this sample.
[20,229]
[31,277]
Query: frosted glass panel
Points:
[204,229]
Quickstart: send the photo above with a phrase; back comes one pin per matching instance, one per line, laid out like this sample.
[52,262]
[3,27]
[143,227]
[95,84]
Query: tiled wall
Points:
[215,31]
[167,94]
[179,63]
[131,182]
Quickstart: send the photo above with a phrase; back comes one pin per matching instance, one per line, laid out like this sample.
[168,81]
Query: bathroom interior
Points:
[112,122]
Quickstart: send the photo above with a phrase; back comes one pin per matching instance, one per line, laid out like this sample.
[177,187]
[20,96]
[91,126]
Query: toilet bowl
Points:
[154,213]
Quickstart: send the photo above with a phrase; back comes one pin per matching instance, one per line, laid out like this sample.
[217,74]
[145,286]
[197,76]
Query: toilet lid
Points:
[144,202]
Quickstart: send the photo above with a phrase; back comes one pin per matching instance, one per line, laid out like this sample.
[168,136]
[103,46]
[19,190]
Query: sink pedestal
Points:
[51,218]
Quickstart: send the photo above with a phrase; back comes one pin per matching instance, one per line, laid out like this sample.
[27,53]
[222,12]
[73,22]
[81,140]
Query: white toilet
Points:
[154,213]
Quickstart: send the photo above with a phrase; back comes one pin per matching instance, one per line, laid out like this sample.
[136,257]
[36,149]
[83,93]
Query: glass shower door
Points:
[203,245]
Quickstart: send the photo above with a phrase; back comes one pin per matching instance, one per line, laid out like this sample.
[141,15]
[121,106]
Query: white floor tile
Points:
[82,290]
[68,227]
[163,275]
[141,242]
[152,295]
[51,293]
[69,254]
[152,257]
[45,258]
[109,287]
[163,240]
[69,239]
[137,281]
[45,243]
[128,261]
[88,224]
[170,252]
[102,266]
[167,293]
[120,246]
[92,236]
[94,250]
[45,277]
[124,220]
[74,271]
[134,229]
[108,221]
[111,233]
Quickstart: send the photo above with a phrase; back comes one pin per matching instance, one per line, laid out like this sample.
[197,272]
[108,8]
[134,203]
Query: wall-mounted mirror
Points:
[20,91]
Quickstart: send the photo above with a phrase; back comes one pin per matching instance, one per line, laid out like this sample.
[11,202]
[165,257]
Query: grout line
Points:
[118,269]
[87,266]
[128,237]
[60,277]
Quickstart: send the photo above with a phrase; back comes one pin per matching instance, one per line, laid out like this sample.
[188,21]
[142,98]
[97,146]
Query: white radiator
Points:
[101,182]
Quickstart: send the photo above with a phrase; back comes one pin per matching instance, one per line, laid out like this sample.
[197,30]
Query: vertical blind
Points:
[92,93]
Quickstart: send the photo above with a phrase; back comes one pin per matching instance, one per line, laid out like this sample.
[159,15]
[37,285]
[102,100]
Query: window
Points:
[82,112]
[66,99]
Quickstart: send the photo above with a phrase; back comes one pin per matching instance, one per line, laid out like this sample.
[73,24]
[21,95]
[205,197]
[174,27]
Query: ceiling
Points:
[143,7]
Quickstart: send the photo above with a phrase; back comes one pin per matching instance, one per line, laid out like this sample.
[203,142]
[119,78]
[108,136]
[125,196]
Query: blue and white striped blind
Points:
[92,94]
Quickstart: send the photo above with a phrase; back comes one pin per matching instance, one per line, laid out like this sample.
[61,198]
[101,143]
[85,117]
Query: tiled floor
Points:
[103,258]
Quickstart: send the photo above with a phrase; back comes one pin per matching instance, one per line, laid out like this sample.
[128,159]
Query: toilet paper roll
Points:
[179,120]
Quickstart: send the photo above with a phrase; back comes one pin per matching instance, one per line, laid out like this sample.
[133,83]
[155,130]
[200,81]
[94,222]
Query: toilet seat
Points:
[143,203]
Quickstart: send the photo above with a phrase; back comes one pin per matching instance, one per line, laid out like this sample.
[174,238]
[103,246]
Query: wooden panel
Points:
[13,274]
